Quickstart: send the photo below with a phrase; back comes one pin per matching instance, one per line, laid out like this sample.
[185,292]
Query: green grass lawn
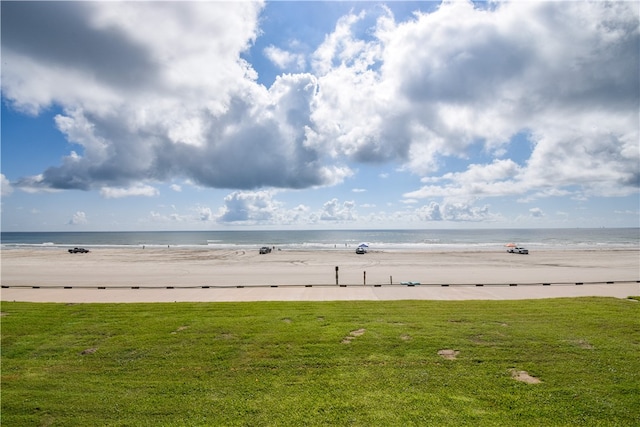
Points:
[322,363]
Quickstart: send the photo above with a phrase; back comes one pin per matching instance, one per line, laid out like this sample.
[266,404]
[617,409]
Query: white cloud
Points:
[463,212]
[430,212]
[34,184]
[456,212]
[248,207]
[462,76]
[163,94]
[284,59]
[500,178]
[205,214]
[157,91]
[261,207]
[79,218]
[334,211]
[5,186]
[544,193]
[172,218]
[137,190]
[175,187]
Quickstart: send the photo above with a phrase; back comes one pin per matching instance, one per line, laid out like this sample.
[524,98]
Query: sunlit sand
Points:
[172,274]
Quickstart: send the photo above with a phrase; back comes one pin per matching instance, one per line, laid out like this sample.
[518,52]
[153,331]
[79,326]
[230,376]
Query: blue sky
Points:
[232,115]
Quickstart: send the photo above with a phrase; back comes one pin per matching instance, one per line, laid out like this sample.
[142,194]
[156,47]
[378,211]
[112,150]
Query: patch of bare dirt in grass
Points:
[181,328]
[406,337]
[523,376]
[353,335]
[448,354]
[89,350]
[286,320]
[478,339]
[584,344]
[3,313]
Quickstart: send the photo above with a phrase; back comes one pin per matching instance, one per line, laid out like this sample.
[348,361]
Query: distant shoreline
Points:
[338,249]
[385,240]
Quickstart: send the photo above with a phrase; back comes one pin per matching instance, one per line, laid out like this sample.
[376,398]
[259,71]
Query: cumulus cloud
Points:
[333,210]
[500,178]
[78,218]
[430,212]
[457,212]
[284,59]
[252,207]
[5,186]
[248,207]
[162,94]
[137,190]
[435,86]
[205,214]
[172,218]
[155,91]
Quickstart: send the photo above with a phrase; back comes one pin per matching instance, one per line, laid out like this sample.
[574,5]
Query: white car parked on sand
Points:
[518,250]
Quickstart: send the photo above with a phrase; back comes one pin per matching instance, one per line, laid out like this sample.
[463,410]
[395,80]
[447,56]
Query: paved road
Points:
[321,293]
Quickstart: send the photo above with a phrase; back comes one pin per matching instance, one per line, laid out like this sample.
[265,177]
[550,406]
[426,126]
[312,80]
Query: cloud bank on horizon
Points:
[534,99]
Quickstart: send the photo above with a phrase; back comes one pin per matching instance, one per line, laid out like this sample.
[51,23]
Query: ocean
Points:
[407,240]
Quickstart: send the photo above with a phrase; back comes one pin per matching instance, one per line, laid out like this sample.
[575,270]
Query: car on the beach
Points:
[78,251]
[518,250]
[360,250]
[265,250]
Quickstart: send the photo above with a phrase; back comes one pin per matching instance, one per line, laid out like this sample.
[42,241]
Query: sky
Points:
[199,115]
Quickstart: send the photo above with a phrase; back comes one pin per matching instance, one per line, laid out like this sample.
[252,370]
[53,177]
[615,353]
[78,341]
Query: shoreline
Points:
[179,274]
[405,248]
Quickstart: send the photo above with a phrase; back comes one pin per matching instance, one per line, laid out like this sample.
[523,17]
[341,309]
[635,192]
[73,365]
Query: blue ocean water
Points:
[478,239]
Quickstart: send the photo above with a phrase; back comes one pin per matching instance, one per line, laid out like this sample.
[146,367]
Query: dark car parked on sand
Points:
[78,251]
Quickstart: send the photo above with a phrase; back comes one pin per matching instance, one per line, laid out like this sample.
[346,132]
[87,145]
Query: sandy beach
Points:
[175,274]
